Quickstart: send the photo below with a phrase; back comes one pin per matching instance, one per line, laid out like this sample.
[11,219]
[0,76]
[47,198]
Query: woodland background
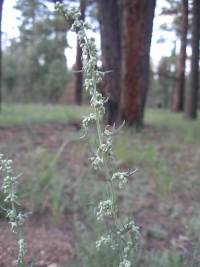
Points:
[35,66]
[42,102]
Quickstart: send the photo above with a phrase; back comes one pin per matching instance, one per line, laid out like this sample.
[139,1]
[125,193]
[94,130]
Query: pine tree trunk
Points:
[137,26]
[1,6]
[192,94]
[178,95]
[78,66]
[111,55]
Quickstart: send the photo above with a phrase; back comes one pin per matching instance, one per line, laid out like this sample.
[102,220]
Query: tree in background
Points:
[192,94]
[109,17]
[78,66]
[180,25]
[167,78]
[137,24]
[37,56]
[178,94]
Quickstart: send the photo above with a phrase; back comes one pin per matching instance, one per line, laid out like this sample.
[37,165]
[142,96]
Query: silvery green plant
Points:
[16,219]
[121,236]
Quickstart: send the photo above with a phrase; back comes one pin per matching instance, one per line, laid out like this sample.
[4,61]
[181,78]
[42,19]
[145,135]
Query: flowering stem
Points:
[16,218]
[106,169]
[119,236]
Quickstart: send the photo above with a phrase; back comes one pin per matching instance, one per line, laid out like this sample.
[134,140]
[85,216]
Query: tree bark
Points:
[1,7]
[137,24]
[192,95]
[178,94]
[79,65]
[109,18]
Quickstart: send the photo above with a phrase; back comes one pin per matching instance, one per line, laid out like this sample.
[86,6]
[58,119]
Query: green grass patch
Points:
[20,114]
[187,130]
[134,151]
[164,152]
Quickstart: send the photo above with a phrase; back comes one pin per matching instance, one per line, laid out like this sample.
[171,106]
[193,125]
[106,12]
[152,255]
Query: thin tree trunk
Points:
[111,55]
[1,7]
[178,95]
[137,24]
[192,95]
[78,66]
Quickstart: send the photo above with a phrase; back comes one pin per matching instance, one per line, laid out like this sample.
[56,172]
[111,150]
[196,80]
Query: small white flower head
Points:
[130,232]
[76,26]
[97,101]
[87,121]
[133,227]
[122,177]
[58,4]
[72,13]
[104,209]
[105,148]
[127,248]
[104,240]
[125,263]
[97,162]
[98,76]
[89,85]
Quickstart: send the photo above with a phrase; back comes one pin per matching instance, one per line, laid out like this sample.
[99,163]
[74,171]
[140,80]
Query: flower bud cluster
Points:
[69,13]
[104,240]
[16,218]
[104,209]
[104,150]
[87,121]
[125,263]
[122,177]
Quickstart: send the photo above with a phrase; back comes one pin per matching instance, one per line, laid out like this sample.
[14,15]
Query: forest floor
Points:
[58,184]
